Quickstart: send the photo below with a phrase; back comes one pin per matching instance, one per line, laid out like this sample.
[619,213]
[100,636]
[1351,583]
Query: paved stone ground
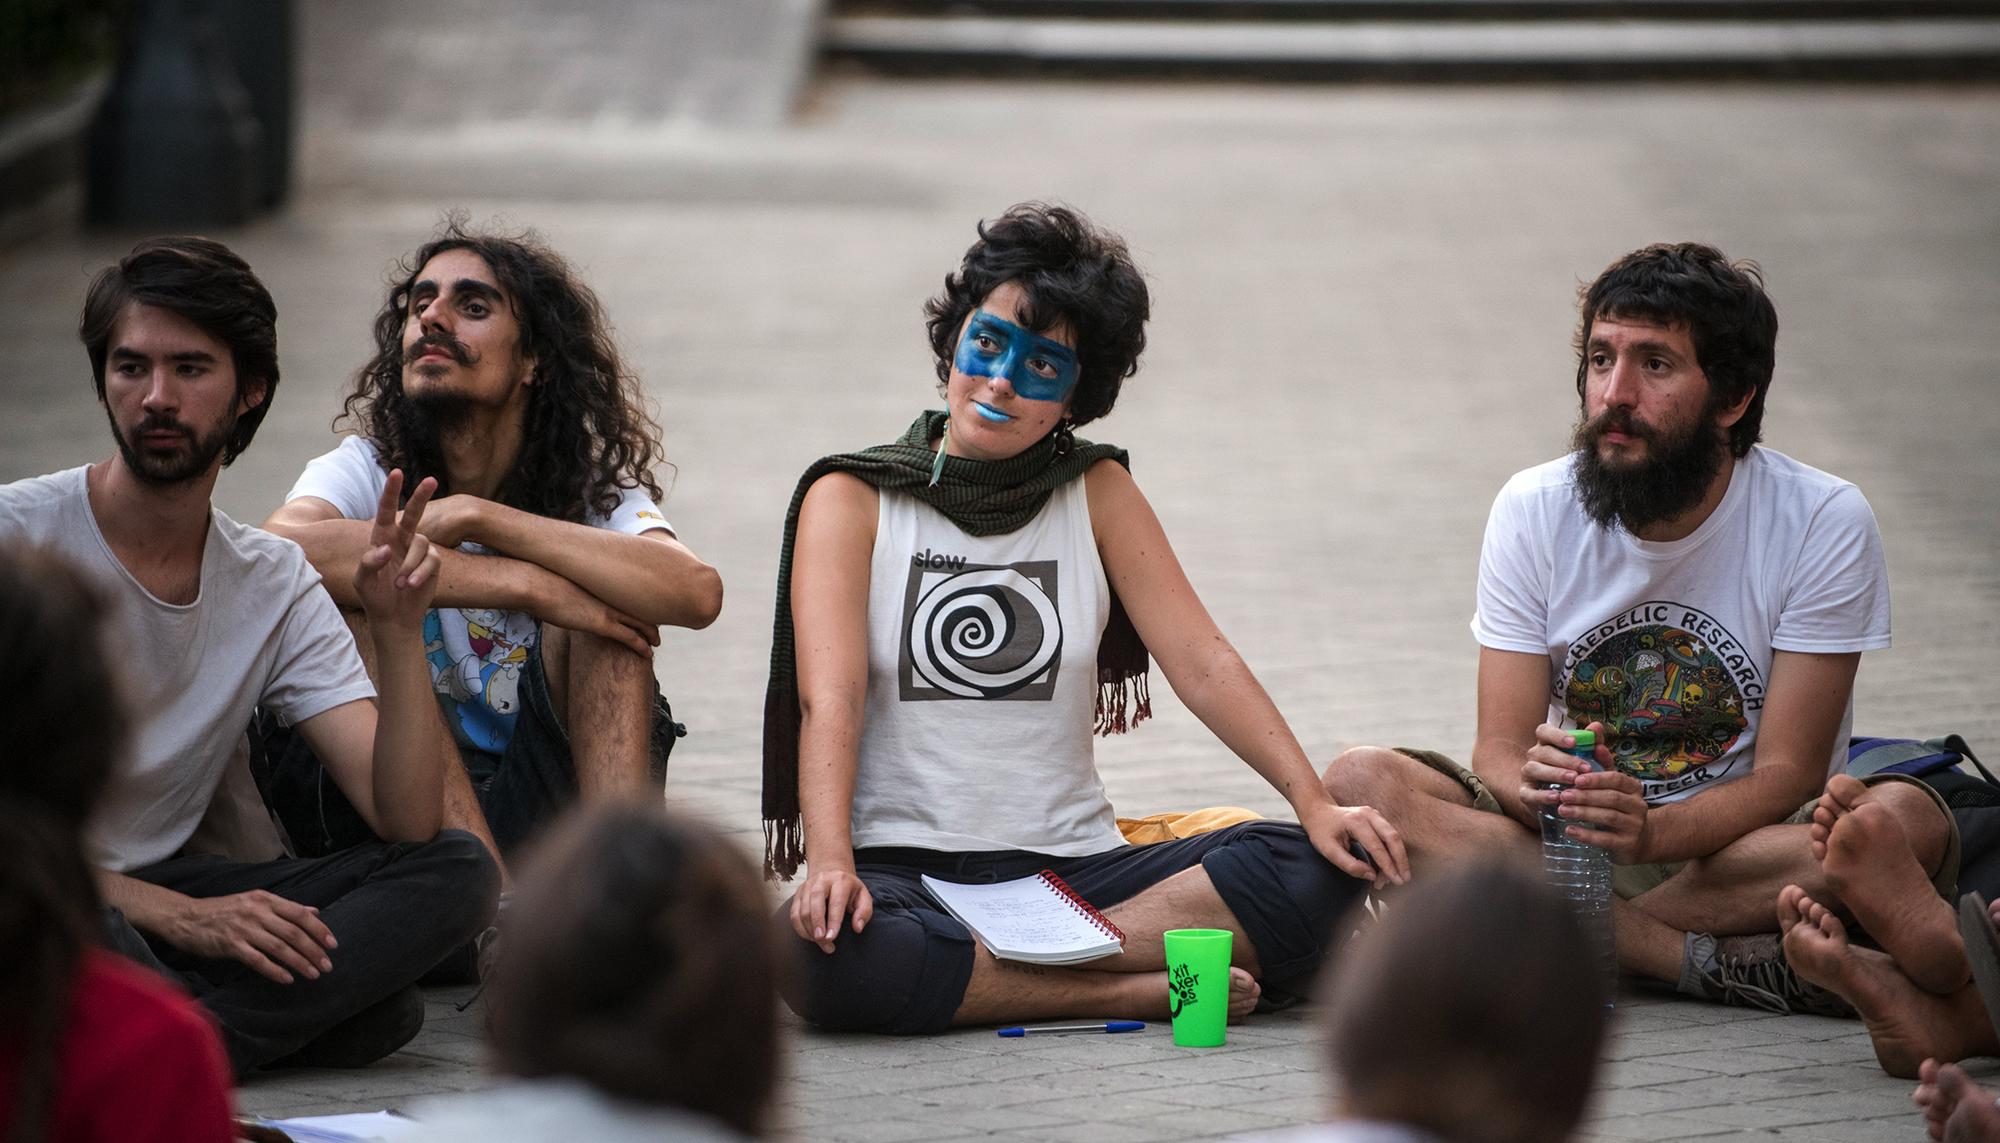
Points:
[1363,304]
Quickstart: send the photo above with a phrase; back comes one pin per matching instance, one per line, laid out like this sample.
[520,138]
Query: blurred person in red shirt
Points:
[92,1047]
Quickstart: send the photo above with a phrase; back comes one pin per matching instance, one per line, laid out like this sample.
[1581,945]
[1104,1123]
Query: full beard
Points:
[179,466]
[1680,464]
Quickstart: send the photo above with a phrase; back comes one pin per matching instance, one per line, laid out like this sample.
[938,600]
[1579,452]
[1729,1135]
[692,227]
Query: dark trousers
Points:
[518,792]
[1979,850]
[395,910]
[908,970]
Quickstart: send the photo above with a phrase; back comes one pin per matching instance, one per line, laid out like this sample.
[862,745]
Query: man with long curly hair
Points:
[494,373]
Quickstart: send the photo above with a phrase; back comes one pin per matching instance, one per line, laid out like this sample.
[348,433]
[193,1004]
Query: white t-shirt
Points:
[982,679]
[260,631]
[1669,644]
[476,654]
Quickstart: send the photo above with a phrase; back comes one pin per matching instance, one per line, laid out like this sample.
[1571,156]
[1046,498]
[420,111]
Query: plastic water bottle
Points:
[1581,872]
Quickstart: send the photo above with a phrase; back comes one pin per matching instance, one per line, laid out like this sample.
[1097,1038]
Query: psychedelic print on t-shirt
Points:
[1673,689]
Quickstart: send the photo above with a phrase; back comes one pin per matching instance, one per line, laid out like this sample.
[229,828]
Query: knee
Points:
[872,981]
[466,876]
[1362,776]
[1287,896]
[1925,825]
[1285,859]
[838,991]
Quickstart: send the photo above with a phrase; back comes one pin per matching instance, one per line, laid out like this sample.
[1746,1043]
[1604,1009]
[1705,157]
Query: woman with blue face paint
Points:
[958,611]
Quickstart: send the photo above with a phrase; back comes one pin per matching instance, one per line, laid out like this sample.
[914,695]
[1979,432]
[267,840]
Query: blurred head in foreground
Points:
[65,729]
[1471,1010]
[637,958]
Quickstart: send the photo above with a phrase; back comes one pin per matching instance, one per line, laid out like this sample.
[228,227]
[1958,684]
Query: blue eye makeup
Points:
[1039,369]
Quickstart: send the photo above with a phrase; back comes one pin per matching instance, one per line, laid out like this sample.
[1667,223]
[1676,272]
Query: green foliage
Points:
[46,45]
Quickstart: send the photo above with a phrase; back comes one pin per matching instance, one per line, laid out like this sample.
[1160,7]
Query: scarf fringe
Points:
[1116,711]
[784,848]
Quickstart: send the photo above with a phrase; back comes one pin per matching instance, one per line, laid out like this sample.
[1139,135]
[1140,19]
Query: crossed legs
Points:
[1726,893]
[914,969]
[1132,985]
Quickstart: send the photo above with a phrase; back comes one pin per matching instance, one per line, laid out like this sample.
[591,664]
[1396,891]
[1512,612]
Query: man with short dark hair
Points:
[495,375]
[315,960]
[1701,602]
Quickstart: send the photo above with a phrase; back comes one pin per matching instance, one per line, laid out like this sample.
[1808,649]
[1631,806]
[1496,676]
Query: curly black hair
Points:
[1729,318]
[1073,274]
[587,433]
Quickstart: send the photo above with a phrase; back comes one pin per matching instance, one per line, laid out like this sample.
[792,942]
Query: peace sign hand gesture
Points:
[397,575]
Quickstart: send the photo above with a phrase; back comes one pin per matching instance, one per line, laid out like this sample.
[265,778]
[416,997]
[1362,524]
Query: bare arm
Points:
[335,544]
[1214,681]
[388,765]
[651,576]
[830,571]
[1513,701]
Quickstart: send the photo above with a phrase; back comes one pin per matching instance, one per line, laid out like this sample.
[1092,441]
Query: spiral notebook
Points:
[1037,919]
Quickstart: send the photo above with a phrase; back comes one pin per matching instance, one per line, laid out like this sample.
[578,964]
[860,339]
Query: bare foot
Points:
[1871,868]
[1954,1107]
[1905,1023]
[1930,1101]
[1843,793]
[1145,994]
[1244,992]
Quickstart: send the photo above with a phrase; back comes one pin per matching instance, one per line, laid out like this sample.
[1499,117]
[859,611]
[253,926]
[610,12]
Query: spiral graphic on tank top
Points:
[984,634]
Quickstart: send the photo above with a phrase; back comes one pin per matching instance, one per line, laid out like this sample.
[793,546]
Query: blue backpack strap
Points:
[1867,756]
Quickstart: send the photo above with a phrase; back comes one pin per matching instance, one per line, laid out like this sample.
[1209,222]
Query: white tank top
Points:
[982,676]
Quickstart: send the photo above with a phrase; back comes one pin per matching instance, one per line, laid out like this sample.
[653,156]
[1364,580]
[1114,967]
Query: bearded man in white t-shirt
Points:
[300,960]
[1699,601]
[495,375]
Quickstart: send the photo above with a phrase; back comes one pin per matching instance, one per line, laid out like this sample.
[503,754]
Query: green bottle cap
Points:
[1585,738]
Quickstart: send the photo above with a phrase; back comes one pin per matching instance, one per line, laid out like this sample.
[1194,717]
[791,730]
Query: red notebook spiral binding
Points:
[1088,910]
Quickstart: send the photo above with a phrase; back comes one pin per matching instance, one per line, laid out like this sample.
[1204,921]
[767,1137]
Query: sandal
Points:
[1982,948]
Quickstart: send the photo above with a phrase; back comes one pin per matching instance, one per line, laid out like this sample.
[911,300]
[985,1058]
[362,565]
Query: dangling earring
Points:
[937,466]
[1065,436]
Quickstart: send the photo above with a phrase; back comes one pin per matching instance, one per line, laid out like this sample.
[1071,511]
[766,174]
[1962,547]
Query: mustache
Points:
[1617,421]
[155,423]
[453,348]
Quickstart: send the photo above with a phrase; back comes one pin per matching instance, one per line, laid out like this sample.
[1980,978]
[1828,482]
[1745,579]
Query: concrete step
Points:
[1936,47]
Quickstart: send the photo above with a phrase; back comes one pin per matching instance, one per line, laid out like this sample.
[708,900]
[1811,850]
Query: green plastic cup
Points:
[1198,985]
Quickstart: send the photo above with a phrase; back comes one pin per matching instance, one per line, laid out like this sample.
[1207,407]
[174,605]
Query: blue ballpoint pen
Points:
[1104,1026]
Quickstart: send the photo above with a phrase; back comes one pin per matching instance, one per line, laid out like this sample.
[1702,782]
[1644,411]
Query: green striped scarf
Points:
[984,498]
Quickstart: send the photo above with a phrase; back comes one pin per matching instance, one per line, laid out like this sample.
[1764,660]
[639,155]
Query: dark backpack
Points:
[1935,760]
